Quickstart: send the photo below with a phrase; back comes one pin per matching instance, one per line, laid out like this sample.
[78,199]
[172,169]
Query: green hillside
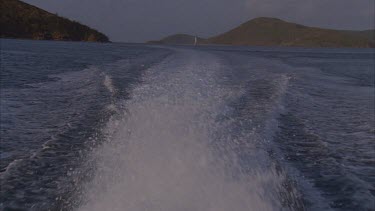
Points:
[178,39]
[22,20]
[276,32]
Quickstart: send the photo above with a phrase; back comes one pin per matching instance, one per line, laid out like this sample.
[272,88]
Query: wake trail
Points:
[163,151]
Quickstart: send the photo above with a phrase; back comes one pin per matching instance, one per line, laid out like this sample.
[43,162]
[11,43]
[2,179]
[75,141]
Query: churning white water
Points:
[162,151]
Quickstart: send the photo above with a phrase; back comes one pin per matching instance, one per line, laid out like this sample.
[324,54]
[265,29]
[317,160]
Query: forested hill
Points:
[275,32]
[266,31]
[24,21]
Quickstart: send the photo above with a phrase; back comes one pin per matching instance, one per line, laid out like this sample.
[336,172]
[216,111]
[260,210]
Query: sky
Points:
[143,20]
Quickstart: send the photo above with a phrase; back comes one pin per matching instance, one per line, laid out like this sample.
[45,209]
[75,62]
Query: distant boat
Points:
[195,40]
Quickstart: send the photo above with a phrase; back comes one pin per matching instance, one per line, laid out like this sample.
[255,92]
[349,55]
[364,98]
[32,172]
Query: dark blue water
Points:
[88,126]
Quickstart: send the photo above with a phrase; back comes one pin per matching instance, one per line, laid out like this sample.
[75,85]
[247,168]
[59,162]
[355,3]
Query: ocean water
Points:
[88,126]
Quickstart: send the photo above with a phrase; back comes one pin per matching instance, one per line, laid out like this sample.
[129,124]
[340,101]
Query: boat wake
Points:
[166,150]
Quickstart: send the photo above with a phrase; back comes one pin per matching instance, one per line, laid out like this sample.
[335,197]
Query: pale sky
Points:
[142,20]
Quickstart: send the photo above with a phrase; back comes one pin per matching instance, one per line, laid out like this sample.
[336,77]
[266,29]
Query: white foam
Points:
[108,83]
[159,154]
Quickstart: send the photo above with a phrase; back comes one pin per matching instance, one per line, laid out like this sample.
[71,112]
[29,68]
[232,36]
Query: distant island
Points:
[178,39]
[275,32]
[24,21]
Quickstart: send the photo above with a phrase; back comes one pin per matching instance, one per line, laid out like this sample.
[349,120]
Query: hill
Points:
[275,32]
[178,39]
[22,20]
